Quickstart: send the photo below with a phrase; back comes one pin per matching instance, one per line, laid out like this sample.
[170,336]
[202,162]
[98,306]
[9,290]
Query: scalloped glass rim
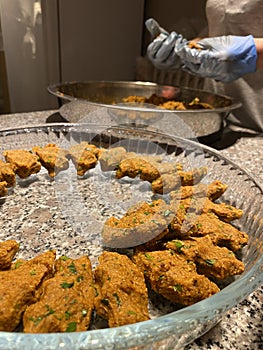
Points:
[205,313]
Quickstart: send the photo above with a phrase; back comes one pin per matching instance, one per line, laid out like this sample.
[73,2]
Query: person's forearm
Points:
[259,47]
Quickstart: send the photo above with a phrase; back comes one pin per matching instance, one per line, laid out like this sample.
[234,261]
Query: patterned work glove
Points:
[223,58]
[162,51]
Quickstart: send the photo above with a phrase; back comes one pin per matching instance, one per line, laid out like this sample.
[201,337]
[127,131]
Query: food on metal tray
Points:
[169,104]
[121,293]
[24,162]
[197,104]
[8,250]
[84,156]
[52,157]
[175,278]
[172,105]
[18,288]
[66,300]
[134,99]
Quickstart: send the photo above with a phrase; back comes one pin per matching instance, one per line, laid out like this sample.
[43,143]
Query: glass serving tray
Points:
[67,214]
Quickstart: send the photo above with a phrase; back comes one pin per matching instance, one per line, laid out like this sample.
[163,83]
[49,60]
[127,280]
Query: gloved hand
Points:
[162,51]
[223,58]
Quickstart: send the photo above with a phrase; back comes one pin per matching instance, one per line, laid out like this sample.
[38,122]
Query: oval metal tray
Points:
[87,97]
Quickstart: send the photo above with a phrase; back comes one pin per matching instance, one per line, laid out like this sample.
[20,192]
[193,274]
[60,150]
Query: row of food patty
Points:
[163,176]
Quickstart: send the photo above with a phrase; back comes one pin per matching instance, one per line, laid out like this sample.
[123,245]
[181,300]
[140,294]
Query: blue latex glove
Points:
[162,51]
[223,58]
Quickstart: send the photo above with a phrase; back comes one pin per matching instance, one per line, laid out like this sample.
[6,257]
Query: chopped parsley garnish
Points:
[177,288]
[210,262]
[67,315]
[80,278]
[131,312]
[179,245]
[35,320]
[72,268]
[17,264]
[148,256]
[118,301]
[64,258]
[67,285]
[105,302]
[50,311]
[72,326]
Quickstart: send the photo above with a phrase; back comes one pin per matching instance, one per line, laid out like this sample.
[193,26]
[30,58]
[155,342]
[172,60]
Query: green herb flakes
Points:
[17,264]
[210,262]
[131,313]
[35,320]
[178,244]
[67,315]
[80,278]
[64,257]
[177,288]
[105,302]
[148,256]
[67,285]
[50,311]
[118,301]
[72,268]
[72,326]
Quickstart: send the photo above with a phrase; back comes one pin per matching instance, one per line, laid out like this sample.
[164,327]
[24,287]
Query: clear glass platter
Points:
[67,214]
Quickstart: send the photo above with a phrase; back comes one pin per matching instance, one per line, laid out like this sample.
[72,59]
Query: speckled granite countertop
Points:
[242,327]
